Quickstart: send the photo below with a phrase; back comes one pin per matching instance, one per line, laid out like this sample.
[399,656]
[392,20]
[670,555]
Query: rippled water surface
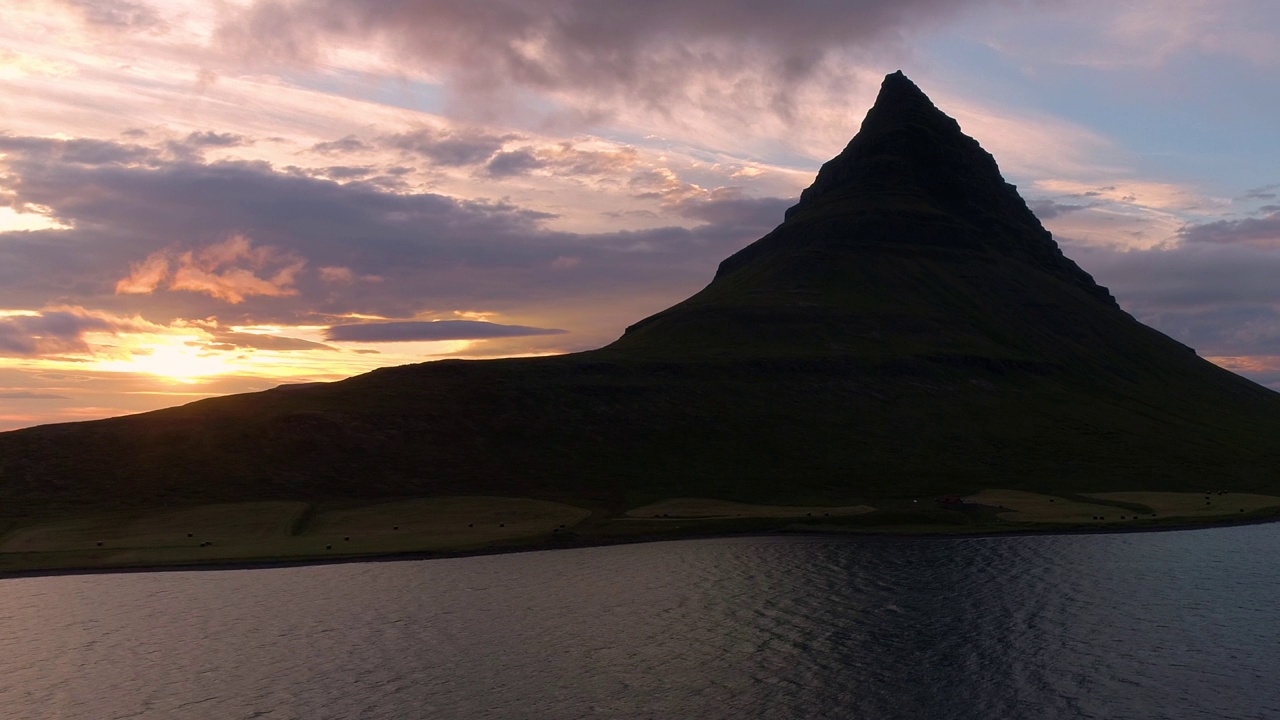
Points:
[1159,625]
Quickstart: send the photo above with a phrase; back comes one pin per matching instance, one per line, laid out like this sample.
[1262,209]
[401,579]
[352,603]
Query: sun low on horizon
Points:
[152,366]
[201,199]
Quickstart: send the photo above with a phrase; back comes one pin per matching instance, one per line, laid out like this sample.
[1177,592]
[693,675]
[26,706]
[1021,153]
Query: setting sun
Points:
[173,361]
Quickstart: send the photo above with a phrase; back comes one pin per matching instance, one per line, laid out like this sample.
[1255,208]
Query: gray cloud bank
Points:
[651,53]
[1261,232]
[49,333]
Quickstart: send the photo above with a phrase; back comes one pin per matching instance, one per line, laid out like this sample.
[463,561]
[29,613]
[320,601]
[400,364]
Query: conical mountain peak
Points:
[911,206]
[912,162]
[903,124]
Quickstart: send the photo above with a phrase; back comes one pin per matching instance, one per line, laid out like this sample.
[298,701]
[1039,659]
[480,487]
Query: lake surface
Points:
[1152,625]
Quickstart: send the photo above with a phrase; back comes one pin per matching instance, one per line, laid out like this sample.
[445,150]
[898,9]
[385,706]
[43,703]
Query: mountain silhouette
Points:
[910,328]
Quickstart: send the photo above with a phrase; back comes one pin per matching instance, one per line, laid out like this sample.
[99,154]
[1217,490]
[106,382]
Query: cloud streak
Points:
[28,395]
[1261,232]
[427,331]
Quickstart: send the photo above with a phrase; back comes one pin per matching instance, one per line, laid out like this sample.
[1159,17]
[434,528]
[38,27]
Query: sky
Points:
[216,196]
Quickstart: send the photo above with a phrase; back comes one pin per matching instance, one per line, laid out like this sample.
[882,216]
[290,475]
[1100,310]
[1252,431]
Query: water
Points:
[1158,625]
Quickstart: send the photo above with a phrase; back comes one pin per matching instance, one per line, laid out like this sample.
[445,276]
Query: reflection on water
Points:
[1161,625]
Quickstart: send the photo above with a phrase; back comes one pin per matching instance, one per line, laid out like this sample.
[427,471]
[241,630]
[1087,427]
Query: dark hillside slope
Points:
[910,328]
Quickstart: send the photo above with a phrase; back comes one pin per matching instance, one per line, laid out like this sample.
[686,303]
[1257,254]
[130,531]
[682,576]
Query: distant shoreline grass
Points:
[382,532]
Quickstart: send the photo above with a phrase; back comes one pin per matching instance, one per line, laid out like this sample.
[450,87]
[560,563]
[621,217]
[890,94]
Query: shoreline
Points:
[585,542]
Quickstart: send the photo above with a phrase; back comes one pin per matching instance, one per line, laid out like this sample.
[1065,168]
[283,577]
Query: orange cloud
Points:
[228,271]
[146,276]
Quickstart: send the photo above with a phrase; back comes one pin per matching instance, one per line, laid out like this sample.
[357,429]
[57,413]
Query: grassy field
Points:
[1033,507]
[238,523]
[444,522]
[260,531]
[1181,504]
[255,532]
[1120,507]
[710,508]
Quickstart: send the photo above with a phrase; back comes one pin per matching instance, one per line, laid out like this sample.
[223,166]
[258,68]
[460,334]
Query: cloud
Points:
[176,223]
[349,172]
[117,15]
[56,331]
[449,148]
[28,395]
[437,330]
[1047,209]
[80,151]
[1266,192]
[725,207]
[342,146]
[565,158]
[1259,232]
[1164,196]
[145,276]
[730,208]
[217,271]
[210,138]
[344,276]
[516,162]
[255,341]
[1141,35]
[193,146]
[600,56]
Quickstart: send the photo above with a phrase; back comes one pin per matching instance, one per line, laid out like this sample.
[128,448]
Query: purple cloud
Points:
[49,333]
[734,210]
[348,144]
[516,162]
[210,138]
[1259,232]
[438,330]
[455,148]
[1266,192]
[349,172]
[650,53]
[84,151]
[253,341]
[116,15]
[1047,209]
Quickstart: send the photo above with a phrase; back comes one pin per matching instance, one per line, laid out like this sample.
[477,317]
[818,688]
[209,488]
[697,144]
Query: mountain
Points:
[909,329]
